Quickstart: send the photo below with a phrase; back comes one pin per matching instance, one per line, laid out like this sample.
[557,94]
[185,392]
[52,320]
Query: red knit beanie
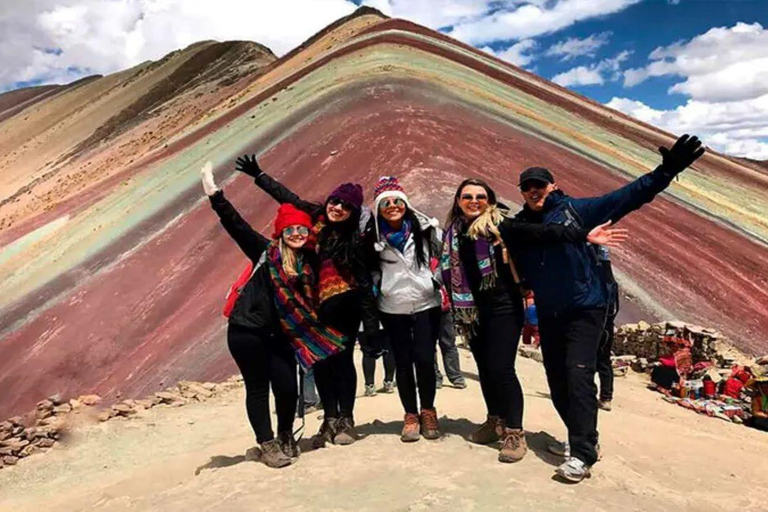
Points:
[289,215]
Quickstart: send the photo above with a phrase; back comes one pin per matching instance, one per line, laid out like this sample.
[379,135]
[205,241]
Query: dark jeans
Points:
[413,339]
[264,361]
[569,345]
[604,364]
[373,347]
[447,343]
[494,346]
[310,393]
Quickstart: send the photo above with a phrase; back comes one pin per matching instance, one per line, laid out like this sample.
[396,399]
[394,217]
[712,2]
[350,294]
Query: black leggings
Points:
[369,367]
[263,361]
[414,339]
[494,346]
[336,378]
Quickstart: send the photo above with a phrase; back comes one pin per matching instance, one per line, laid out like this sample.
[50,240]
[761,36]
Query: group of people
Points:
[330,267]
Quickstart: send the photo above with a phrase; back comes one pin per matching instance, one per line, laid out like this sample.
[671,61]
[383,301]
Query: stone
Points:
[41,414]
[17,430]
[75,404]
[6,450]
[10,460]
[29,433]
[5,435]
[144,403]
[105,415]
[52,420]
[62,409]
[45,442]
[89,400]
[56,399]
[45,404]
[123,409]
[210,386]
[16,421]
[28,450]
[6,426]
[16,445]
[166,396]
[42,432]
[530,353]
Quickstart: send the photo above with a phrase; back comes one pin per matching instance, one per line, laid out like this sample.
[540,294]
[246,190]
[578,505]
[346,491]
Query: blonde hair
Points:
[487,224]
[289,258]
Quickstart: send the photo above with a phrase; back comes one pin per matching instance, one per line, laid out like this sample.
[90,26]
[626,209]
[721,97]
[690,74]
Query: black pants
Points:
[263,361]
[414,339]
[494,346]
[604,364]
[336,377]
[569,345]
[369,367]
[447,343]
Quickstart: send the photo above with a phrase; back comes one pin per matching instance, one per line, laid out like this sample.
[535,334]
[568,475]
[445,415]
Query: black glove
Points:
[684,152]
[247,164]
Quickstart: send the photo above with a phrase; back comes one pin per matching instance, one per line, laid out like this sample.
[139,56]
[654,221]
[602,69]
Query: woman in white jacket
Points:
[409,302]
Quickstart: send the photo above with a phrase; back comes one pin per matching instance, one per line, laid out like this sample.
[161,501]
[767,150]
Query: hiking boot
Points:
[345,432]
[411,428]
[459,384]
[326,433]
[560,448]
[430,428]
[272,455]
[514,447]
[605,405]
[370,390]
[389,386]
[489,432]
[573,470]
[288,444]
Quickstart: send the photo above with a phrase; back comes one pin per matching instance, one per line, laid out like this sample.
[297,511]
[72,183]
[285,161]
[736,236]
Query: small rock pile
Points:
[38,431]
[644,341]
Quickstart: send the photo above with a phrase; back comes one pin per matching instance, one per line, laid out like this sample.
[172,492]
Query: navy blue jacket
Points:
[564,277]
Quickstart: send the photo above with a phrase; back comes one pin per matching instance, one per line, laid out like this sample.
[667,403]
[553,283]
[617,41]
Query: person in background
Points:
[570,295]
[451,363]
[343,288]
[759,388]
[604,362]
[531,327]
[373,348]
[311,399]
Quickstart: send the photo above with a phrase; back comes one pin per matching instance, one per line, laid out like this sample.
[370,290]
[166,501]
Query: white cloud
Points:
[430,14]
[103,36]
[734,128]
[574,47]
[594,74]
[518,54]
[520,20]
[723,64]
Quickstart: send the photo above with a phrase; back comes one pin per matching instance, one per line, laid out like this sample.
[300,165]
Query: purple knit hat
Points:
[350,193]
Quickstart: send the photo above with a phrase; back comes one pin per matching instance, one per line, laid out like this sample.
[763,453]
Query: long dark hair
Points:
[422,258]
[341,242]
[455,211]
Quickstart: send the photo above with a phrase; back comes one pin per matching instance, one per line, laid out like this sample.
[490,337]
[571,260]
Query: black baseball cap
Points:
[536,173]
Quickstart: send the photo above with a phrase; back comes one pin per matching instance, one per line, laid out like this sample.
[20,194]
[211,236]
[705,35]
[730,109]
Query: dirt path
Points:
[656,457]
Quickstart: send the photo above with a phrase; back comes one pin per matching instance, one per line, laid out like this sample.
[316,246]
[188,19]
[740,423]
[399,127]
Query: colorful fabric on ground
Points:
[295,303]
[396,238]
[455,277]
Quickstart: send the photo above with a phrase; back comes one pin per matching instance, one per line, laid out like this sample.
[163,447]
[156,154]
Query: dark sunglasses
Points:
[479,197]
[299,230]
[391,201]
[526,186]
[335,201]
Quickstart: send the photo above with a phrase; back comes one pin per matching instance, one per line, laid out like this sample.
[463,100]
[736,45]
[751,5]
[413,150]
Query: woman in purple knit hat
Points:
[344,291]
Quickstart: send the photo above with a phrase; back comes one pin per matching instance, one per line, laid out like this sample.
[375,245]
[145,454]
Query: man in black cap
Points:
[571,297]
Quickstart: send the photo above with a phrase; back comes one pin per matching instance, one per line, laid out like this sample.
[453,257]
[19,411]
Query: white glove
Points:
[209,185]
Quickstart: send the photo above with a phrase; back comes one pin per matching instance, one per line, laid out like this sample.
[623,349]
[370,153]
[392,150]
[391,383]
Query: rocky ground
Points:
[191,457]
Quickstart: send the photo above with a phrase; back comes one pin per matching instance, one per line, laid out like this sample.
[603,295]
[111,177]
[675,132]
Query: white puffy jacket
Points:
[406,288]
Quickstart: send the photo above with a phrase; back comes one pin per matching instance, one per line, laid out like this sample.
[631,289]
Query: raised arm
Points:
[279,192]
[252,243]
[617,204]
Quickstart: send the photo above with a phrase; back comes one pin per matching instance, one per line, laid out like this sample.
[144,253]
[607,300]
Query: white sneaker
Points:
[560,448]
[573,470]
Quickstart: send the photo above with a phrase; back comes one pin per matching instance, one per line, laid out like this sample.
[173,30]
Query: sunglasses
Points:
[526,186]
[335,201]
[480,198]
[391,201]
[299,230]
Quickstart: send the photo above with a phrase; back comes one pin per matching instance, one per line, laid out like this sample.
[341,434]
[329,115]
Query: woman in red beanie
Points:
[273,322]
[344,290]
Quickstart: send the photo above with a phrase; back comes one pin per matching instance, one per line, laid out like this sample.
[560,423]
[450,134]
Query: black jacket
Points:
[255,308]
[344,310]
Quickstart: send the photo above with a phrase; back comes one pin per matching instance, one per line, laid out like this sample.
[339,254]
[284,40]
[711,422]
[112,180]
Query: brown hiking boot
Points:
[430,428]
[514,447]
[288,444]
[272,455]
[345,432]
[489,432]
[411,428]
[326,433]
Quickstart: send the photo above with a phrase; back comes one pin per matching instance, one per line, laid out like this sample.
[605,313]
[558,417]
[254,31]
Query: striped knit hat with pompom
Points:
[389,186]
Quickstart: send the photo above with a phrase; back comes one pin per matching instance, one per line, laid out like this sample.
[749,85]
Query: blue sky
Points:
[684,65]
